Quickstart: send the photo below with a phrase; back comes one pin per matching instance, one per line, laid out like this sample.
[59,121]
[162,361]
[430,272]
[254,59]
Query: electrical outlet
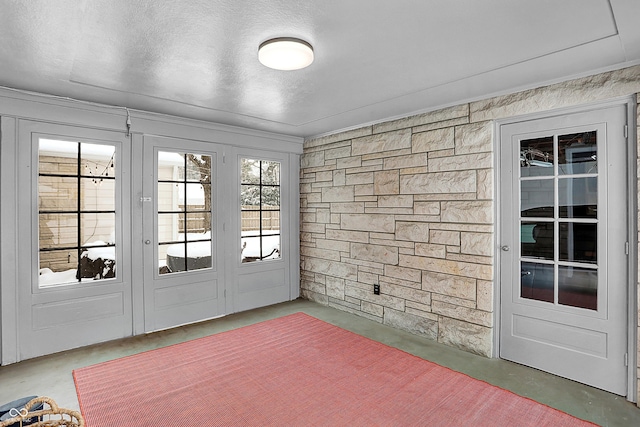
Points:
[376,289]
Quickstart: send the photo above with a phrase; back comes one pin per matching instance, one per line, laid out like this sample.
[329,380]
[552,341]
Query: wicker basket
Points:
[51,417]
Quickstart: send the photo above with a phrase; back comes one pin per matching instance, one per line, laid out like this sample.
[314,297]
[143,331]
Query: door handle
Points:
[147,242]
[505,248]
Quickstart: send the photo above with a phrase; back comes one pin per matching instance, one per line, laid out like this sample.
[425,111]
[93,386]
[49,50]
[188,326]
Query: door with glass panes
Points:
[564,234]
[182,233]
[74,269]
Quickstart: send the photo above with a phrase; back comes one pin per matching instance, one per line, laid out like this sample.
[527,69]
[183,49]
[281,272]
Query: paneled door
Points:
[564,246]
[74,268]
[182,232]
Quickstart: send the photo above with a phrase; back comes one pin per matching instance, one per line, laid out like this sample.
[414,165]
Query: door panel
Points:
[182,233]
[74,266]
[564,235]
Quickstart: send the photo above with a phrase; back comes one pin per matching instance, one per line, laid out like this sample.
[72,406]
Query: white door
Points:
[182,232]
[564,246]
[74,269]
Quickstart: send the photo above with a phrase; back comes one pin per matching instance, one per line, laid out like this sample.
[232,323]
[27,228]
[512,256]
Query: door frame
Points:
[632,196]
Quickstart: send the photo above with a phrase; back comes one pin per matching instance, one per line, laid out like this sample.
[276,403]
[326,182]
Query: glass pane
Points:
[271,247]
[198,168]
[527,240]
[175,260]
[250,196]
[578,197]
[270,197]
[578,287]
[98,194]
[198,197]
[536,281]
[97,161]
[58,267]
[543,246]
[170,166]
[250,222]
[58,230]
[577,153]
[162,259]
[57,157]
[250,171]
[537,198]
[250,249]
[198,226]
[270,173]
[579,242]
[170,196]
[57,193]
[270,222]
[98,229]
[536,157]
[170,227]
[98,263]
[198,255]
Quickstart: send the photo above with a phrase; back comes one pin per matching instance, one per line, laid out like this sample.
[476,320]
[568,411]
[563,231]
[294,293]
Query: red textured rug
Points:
[295,371]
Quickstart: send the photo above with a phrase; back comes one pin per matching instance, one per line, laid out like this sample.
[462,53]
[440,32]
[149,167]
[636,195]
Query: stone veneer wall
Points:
[410,205]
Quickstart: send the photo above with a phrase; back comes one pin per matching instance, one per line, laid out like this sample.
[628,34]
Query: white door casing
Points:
[564,239]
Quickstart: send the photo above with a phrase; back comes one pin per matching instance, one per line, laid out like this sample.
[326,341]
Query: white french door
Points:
[564,240]
[74,268]
[182,232]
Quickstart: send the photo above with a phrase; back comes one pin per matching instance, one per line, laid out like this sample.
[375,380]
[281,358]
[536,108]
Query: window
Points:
[184,212]
[260,210]
[76,211]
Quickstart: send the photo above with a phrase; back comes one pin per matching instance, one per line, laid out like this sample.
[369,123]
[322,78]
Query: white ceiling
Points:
[374,60]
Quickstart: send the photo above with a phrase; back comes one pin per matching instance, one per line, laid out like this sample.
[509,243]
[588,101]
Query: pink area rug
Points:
[295,371]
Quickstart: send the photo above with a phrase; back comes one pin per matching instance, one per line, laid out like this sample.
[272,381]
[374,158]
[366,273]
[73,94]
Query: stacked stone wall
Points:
[409,205]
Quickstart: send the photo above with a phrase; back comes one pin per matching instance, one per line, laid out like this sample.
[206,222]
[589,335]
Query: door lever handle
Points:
[505,248]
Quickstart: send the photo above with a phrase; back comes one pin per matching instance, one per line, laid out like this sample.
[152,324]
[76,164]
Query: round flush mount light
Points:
[285,53]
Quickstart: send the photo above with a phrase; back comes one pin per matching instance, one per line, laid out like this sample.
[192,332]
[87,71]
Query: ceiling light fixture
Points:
[285,53]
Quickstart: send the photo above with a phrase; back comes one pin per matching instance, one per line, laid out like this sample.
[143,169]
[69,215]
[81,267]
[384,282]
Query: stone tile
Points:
[375,253]
[366,222]
[330,268]
[348,236]
[320,253]
[474,138]
[445,237]
[446,284]
[336,137]
[438,183]
[369,296]
[466,336]
[436,265]
[409,322]
[405,201]
[436,116]
[477,317]
[412,231]
[359,178]
[347,207]
[426,208]
[314,159]
[476,244]
[408,293]
[364,190]
[408,161]
[386,182]
[373,309]
[431,250]
[461,162]
[570,93]
[336,245]
[484,181]
[471,212]
[349,162]
[337,153]
[339,178]
[484,297]
[338,194]
[439,139]
[382,142]
[310,227]
[335,288]
[444,124]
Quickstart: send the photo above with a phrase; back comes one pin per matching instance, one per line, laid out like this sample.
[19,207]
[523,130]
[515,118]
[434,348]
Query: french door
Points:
[182,233]
[74,269]
[564,240]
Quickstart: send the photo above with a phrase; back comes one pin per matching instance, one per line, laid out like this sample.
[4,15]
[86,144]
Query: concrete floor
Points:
[51,375]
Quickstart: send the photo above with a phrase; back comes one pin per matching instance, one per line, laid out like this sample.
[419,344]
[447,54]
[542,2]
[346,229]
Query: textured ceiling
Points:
[373,59]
